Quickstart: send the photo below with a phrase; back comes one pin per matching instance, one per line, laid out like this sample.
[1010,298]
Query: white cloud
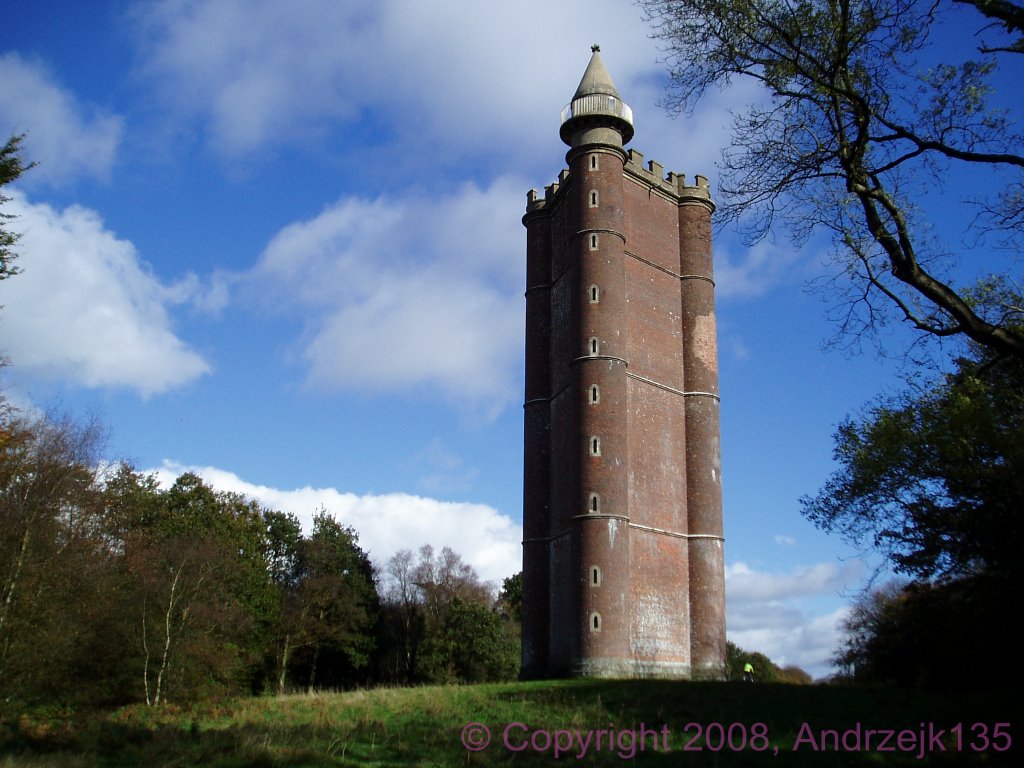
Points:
[447,75]
[86,307]
[401,294]
[743,583]
[779,614]
[754,270]
[256,72]
[499,60]
[809,642]
[67,139]
[784,541]
[386,523]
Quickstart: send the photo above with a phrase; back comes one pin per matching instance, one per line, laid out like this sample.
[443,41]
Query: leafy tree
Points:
[951,635]
[198,583]
[444,578]
[856,121]
[442,623]
[934,479]
[52,568]
[794,675]
[11,167]
[472,644]
[188,622]
[863,626]
[735,658]
[336,609]
[403,621]
[113,589]
[283,536]
[765,670]
[465,639]
[283,548]
[510,599]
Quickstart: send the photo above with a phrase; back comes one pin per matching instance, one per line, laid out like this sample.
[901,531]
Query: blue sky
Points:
[280,244]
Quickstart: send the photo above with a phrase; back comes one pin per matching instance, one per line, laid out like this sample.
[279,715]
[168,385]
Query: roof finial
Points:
[595,48]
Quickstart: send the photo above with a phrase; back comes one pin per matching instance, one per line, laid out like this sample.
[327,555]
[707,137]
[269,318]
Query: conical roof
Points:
[596,79]
[596,104]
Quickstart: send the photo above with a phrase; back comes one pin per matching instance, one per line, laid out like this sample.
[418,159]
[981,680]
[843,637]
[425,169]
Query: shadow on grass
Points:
[738,725]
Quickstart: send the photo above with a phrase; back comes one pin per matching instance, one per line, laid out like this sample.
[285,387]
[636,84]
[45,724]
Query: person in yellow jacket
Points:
[748,673]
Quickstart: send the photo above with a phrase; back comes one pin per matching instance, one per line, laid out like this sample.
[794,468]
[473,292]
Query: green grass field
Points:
[741,725]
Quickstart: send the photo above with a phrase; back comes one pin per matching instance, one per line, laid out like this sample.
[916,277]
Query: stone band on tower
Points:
[623,570]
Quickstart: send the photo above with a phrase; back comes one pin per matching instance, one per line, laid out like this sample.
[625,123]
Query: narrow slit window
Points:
[593,199]
[595,503]
[595,345]
[593,162]
[595,446]
[595,394]
[593,242]
[595,576]
[595,622]
[595,294]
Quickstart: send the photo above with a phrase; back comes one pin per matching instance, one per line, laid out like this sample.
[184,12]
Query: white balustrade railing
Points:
[597,104]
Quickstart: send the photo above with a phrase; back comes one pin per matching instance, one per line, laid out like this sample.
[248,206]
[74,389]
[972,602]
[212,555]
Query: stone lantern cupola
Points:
[596,114]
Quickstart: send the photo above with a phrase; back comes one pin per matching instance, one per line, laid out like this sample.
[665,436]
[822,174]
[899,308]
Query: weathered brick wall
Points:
[659,592]
[657,429]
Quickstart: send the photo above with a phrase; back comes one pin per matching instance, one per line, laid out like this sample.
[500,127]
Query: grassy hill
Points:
[742,725]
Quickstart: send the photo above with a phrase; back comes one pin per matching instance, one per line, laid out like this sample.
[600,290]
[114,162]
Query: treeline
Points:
[933,480]
[952,635]
[765,670]
[115,590]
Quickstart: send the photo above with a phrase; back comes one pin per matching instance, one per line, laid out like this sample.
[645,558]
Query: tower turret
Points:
[596,114]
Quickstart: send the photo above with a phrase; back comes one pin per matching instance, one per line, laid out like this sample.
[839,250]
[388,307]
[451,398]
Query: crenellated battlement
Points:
[534,202]
[674,184]
[652,174]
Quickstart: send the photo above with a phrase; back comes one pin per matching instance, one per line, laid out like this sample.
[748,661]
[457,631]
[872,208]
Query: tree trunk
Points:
[168,633]
[9,590]
[284,664]
[316,654]
[145,657]
[312,668]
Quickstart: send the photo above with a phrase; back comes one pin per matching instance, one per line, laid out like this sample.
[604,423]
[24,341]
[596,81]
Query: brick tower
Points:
[623,571]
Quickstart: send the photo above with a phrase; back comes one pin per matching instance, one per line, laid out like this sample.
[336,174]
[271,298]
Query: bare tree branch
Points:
[854,114]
